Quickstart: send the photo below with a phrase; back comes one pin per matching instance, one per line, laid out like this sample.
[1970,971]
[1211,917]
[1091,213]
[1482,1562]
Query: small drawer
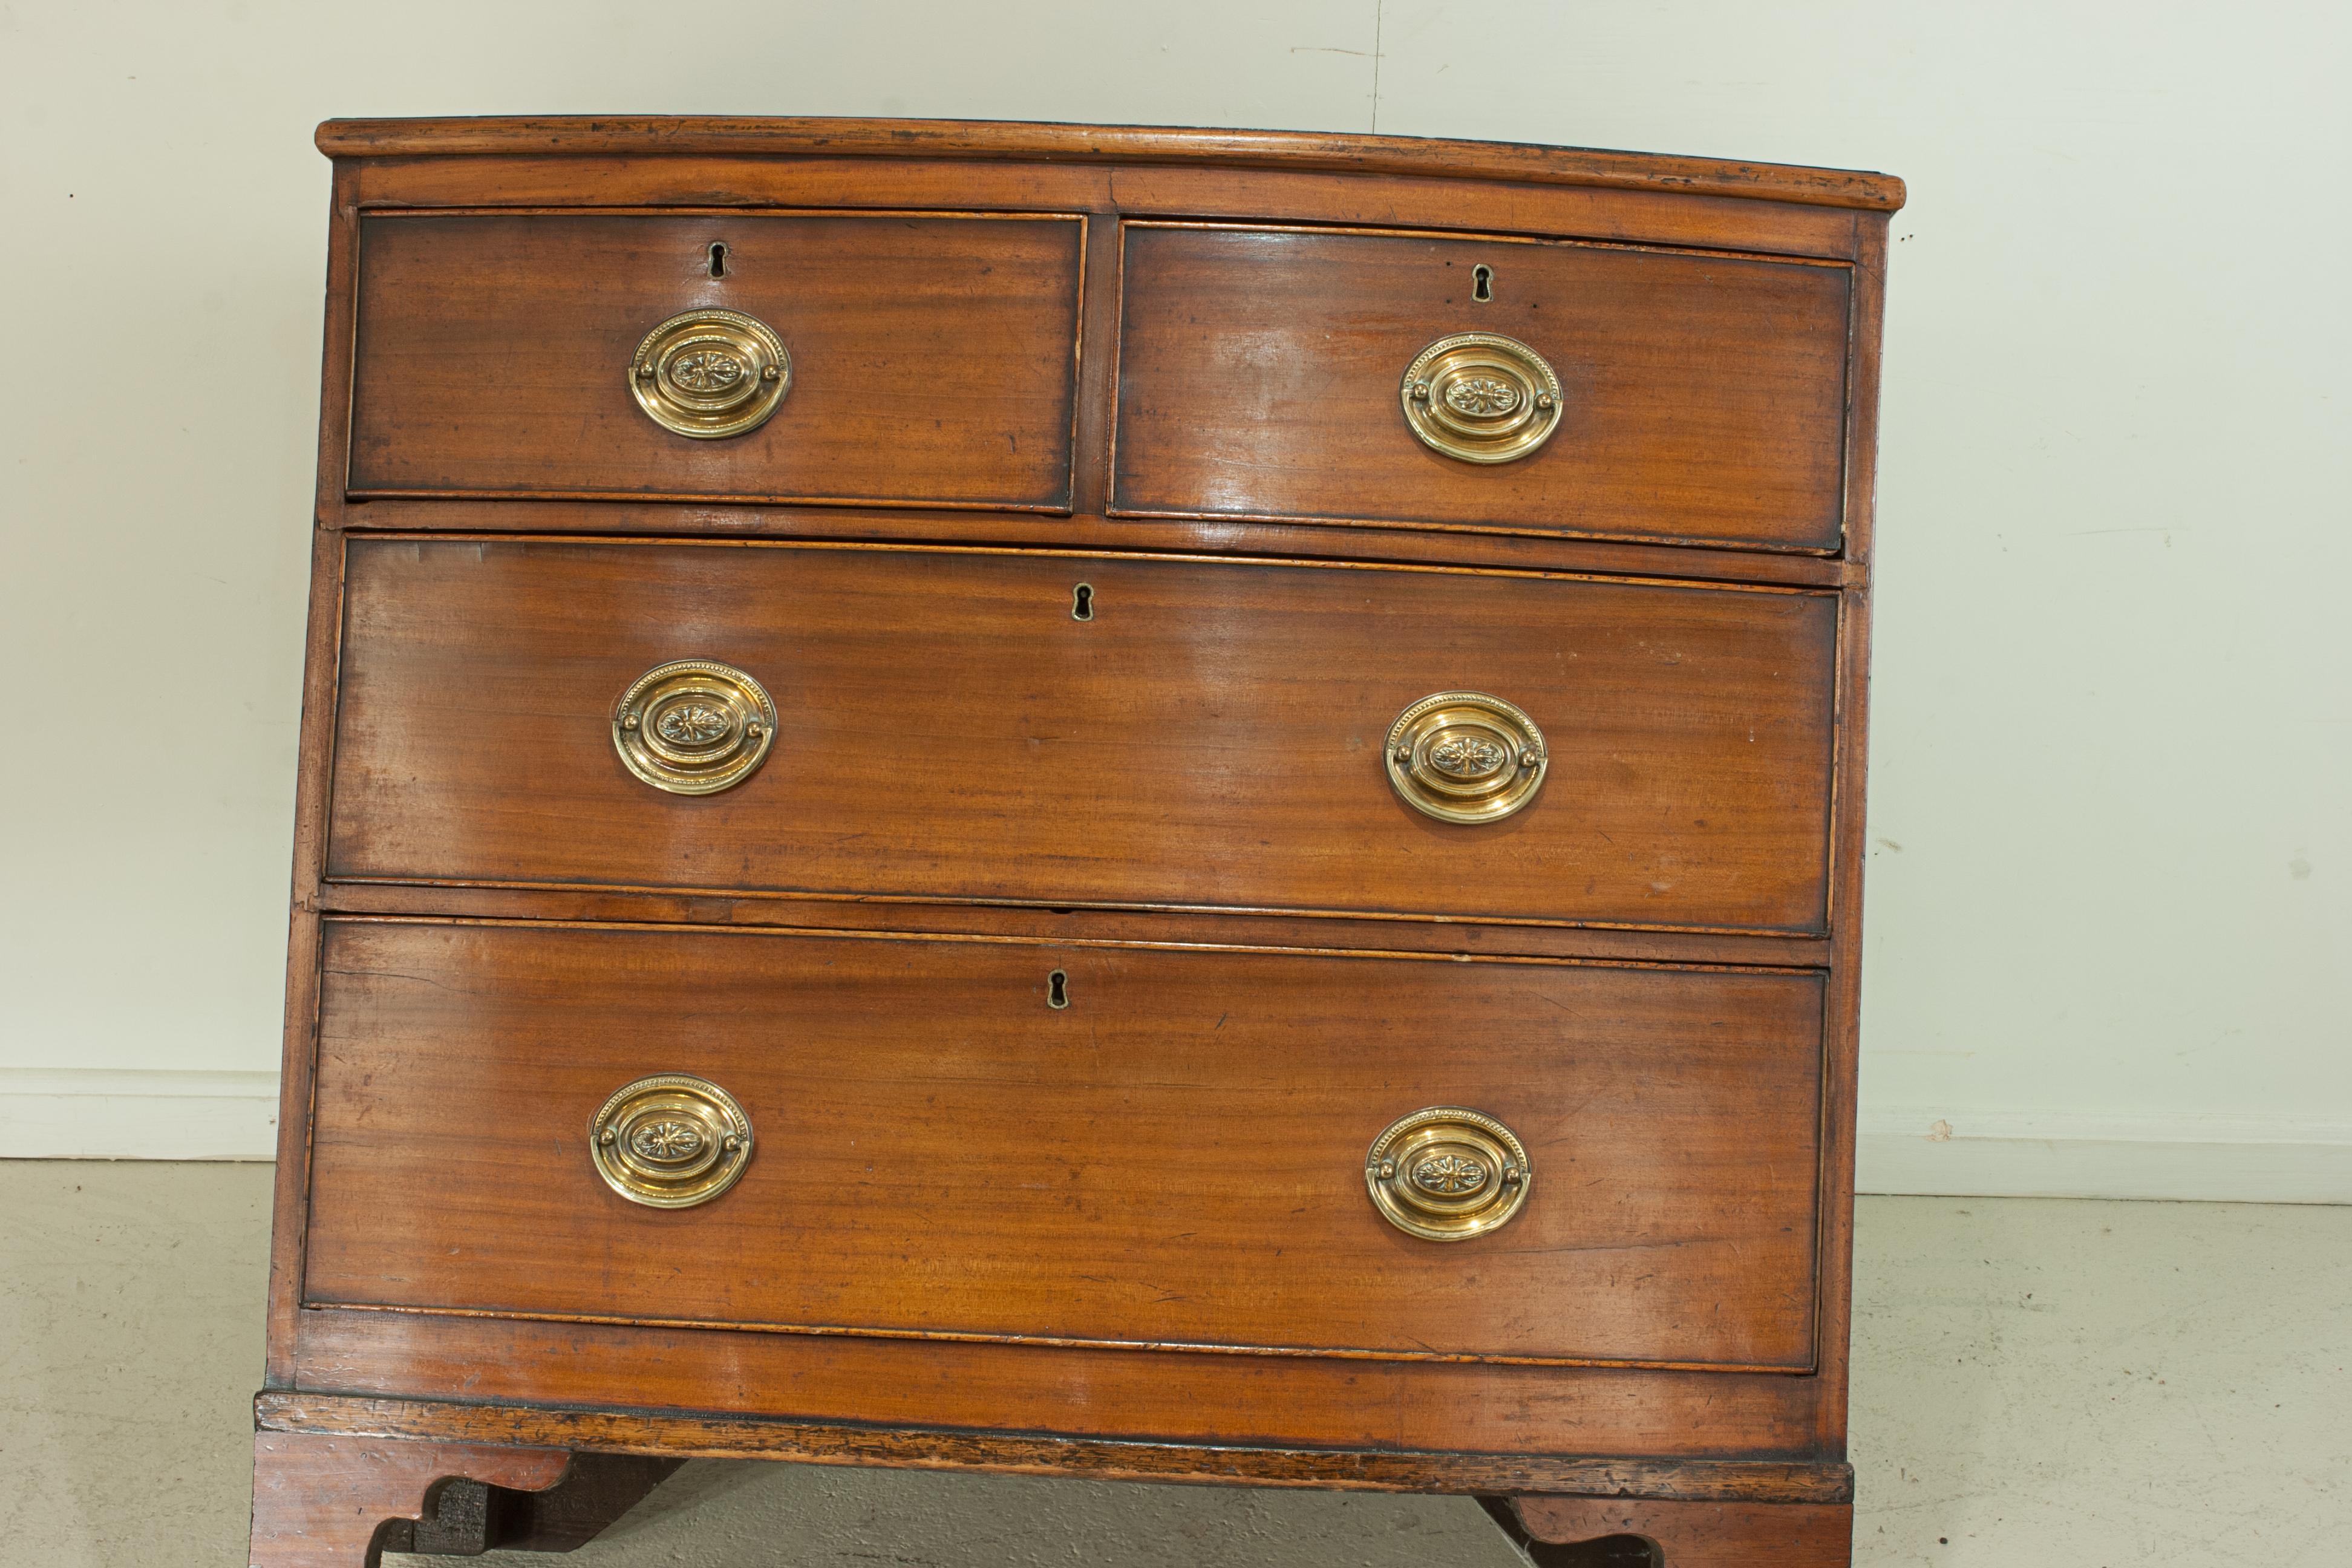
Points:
[910,359]
[1061,728]
[1632,393]
[1185,1153]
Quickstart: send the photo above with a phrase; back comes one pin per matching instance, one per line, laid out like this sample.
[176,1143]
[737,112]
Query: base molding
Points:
[684,1436]
[112,1113]
[1927,1151]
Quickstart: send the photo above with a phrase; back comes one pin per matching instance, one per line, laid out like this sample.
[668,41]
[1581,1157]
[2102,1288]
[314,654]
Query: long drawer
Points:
[1214,734]
[927,359]
[1176,1155]
[1263,373]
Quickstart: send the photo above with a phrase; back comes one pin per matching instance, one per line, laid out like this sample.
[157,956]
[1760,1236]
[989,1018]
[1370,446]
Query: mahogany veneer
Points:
[934,356]
[1070,943]
[1703,400]
[951,732]
[1163,1176]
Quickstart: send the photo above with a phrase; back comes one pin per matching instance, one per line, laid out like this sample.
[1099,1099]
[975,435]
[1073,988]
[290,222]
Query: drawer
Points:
[1176,1157]
[1215,736]
[1701,397]
[930,358]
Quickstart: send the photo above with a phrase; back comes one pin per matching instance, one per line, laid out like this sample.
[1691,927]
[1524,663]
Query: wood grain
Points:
[321,653]
[1212,738]
[687,135]
[577,181]
[1427,939]
[1850,846]
[1181,1163]
[1702,394]
[1520,1413]
[714,1437]
[1404,544]
[933,357]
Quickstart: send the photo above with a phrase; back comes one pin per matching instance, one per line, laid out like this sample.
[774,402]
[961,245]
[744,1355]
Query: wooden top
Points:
[803,137]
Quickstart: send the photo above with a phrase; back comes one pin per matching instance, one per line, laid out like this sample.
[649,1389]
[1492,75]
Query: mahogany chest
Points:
[1157,804]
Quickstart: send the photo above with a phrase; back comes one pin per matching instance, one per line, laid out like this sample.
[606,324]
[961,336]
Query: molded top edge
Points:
[1035,141]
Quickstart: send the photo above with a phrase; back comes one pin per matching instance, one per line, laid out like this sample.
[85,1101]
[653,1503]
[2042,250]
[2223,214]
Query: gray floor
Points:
[2092,1385]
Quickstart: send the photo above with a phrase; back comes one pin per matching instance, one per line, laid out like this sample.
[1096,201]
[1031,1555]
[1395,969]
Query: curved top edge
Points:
[579,135]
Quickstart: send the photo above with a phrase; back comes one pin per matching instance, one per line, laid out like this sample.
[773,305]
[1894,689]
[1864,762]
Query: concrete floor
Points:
[2085,1385]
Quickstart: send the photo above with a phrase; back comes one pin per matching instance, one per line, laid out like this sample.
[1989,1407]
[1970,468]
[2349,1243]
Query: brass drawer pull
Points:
[1464,756]
[1481,397]
[671,1141]
[694,727]
[709,374]
[1447,1174]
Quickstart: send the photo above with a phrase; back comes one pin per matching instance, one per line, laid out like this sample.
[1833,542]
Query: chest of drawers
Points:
[1161,804]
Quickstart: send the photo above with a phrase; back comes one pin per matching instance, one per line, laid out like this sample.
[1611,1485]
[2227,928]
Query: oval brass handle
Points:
[1447,1174]
[693,726]
[710,374]
[671,1141]
[1464,756]
[1481,397]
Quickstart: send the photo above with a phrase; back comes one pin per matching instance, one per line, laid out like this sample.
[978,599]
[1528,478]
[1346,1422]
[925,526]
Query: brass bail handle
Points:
[1481,397]
[710,374]
[1447,1174]
[671,1141]
[694,726]
[1466,756]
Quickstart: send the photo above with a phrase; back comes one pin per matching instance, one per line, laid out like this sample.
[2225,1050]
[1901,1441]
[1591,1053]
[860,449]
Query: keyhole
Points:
[1082,603]
[717,260]
[1482,284]
[1057,989]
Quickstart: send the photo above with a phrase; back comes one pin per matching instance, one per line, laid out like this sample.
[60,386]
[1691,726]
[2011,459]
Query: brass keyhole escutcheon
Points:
[1447,1174]
[710,374]
[671,1141]
[694,726]
[1464,756]
[1481,397]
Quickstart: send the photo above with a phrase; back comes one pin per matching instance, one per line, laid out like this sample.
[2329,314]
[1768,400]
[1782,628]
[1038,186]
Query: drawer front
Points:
[1215,736]
[932,359]
[1261,374]
[1176,1157]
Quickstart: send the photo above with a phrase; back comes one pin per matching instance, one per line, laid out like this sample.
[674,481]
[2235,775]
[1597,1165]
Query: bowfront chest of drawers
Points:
[1166,805]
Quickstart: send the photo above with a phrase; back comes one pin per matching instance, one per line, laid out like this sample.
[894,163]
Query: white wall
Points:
[2108,895]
